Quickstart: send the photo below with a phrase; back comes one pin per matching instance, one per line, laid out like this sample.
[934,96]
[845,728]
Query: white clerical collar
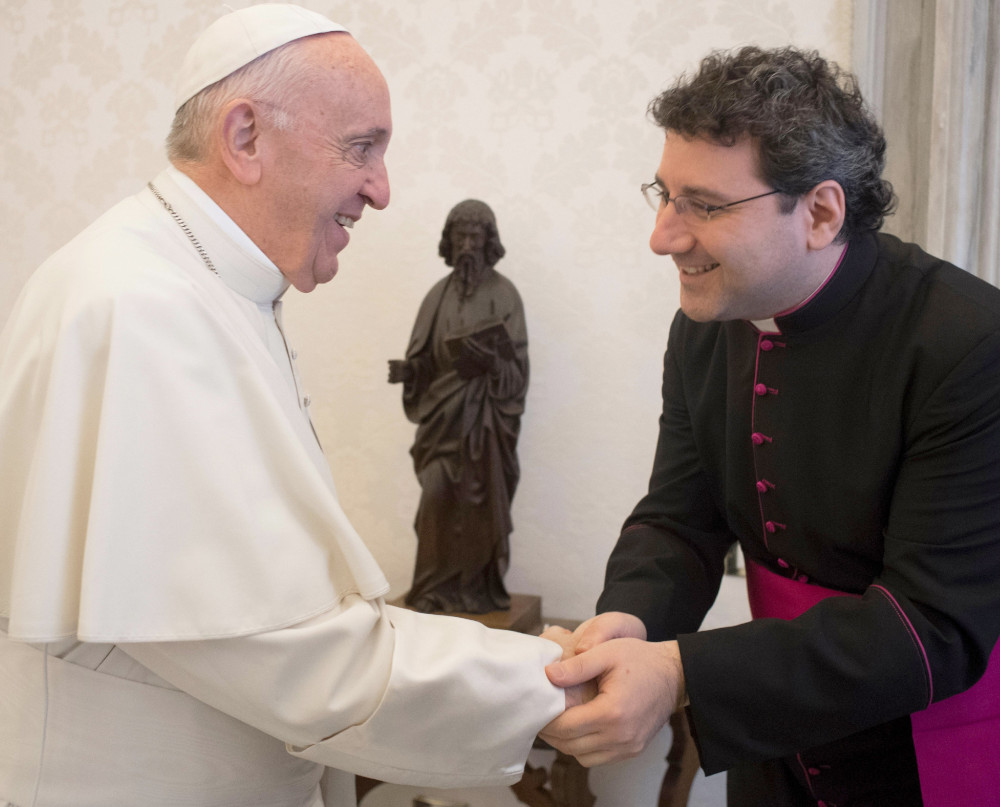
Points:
[770,325]
[239,262]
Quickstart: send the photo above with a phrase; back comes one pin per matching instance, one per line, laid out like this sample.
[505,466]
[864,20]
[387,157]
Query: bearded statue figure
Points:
[464,379]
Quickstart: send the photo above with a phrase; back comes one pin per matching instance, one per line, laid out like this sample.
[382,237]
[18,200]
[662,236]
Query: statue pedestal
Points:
[524,615]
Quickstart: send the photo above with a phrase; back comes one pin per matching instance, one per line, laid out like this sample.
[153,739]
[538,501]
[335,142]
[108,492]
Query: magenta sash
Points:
[957,740]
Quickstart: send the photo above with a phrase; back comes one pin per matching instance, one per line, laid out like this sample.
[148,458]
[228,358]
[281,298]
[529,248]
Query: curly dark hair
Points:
[806,115]
[472,210]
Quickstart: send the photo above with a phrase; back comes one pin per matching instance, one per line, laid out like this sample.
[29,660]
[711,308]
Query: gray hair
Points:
[806,116]
[274,80]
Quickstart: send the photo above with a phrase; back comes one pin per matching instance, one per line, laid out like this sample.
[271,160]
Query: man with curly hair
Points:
[465,377]
[830,403]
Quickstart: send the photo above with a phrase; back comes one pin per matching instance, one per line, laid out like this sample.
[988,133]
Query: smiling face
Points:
[750,261]
[320,174]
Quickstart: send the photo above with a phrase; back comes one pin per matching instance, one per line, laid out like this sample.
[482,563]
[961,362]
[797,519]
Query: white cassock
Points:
[186,615]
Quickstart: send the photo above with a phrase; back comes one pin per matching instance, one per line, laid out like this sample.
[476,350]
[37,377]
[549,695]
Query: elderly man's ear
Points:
[240,135]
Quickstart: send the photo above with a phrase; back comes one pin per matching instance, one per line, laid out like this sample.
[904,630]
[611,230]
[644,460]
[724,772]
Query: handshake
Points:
[620,689]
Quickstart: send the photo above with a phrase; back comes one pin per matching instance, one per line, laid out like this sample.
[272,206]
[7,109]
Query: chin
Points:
[324,274]
[699,313]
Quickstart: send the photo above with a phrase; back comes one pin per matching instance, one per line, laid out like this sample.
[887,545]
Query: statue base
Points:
[523,616]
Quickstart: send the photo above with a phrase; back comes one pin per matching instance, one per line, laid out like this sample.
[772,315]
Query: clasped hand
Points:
[620,689]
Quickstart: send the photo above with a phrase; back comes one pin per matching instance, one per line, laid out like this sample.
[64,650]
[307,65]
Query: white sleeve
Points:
[380,691]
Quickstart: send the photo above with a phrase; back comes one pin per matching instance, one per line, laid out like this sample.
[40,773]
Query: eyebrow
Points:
[691,190]
[376,132]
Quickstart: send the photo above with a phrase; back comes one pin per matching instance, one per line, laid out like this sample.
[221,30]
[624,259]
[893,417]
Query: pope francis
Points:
[186,615]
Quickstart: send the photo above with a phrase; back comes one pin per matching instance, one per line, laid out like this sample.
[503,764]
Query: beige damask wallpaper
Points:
[535,106]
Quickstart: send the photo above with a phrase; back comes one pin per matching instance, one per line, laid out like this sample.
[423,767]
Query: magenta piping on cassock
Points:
[913,634]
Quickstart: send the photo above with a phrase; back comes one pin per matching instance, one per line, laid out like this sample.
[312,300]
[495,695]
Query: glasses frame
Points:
[702,211]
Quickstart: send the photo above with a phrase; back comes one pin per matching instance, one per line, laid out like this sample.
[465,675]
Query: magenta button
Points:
[766,344]
[759,439]
[760,389]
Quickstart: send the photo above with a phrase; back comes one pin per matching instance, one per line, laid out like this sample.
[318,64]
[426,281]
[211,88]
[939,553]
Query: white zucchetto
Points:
[239,37]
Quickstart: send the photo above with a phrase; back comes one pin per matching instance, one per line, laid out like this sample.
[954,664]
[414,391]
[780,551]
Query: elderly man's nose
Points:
[376,188]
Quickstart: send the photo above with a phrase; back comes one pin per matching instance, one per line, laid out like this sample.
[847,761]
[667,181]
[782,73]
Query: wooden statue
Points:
[464,379]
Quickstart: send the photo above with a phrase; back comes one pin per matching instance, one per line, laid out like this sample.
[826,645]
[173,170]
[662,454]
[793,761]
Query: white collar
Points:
[239,262]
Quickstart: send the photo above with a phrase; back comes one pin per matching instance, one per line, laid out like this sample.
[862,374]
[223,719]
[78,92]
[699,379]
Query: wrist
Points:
[676,672]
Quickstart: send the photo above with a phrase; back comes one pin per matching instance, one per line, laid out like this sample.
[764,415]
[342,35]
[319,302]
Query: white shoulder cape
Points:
[160,481]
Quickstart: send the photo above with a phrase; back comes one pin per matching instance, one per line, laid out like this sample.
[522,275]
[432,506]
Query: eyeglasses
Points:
[688,206]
